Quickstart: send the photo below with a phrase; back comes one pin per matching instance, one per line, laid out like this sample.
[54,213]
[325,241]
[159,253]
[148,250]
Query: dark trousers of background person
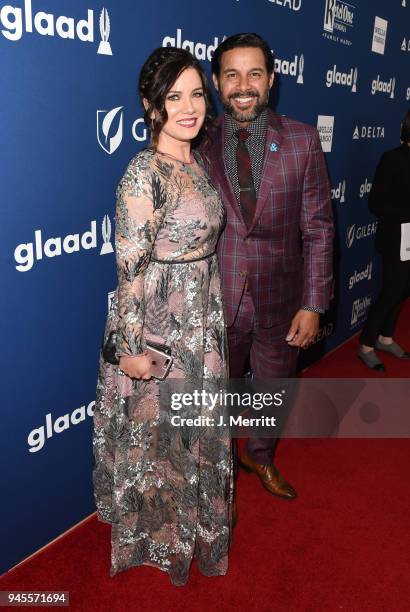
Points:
[269,356]
[383,315]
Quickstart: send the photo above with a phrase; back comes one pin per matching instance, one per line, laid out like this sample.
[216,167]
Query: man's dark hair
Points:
[242,40]
[405,128]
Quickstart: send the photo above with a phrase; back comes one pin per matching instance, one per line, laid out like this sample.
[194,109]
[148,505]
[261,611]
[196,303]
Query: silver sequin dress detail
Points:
[166,491]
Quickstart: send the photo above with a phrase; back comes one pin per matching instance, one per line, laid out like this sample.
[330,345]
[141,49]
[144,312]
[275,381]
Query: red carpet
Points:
[342,545]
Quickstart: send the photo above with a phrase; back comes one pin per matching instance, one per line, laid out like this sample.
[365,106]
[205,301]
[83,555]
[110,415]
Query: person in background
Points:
[389,200]
[276,250]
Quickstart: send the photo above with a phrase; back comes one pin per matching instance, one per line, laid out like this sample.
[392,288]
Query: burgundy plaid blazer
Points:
[287,253]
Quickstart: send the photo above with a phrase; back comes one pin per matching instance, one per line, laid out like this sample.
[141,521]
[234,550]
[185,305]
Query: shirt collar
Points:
[257,127]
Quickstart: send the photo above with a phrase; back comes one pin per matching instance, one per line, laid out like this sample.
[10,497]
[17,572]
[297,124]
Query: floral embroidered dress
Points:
[166,490]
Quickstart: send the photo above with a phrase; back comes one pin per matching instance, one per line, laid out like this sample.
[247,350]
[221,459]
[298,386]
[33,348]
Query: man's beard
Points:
[247,115]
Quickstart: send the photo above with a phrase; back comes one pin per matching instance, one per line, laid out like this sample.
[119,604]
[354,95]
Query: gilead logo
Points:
[37,437]
[14,21]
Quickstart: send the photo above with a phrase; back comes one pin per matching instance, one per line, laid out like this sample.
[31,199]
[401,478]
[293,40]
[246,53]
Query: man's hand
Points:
[303,329]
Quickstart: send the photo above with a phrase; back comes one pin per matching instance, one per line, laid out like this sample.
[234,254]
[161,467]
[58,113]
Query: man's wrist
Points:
[313,309]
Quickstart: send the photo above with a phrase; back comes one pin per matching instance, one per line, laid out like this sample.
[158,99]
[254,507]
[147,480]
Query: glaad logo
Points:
[110,299]
[403,3]
[360,308]
[199,50]
[104,46]
[405,46]
[365,188]
[338,17]
[368,131]
[292,68]
[37,437]
[384,86]
[106,234]
[47,24]
[338,193]
[348,79]
[293,5]
[105,121]
[324,332]
[357,233]
[325,124]
[365,274]
[26,254]
[379,35]
[408,94]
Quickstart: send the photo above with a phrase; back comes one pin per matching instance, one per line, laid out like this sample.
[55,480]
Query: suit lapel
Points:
[271,160]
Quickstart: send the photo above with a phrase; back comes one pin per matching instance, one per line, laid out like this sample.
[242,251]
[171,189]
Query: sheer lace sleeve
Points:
[140,209]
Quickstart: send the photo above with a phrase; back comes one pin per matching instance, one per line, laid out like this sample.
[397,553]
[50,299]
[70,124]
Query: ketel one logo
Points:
[360,308]
[14,21]
[338,15]
[349,79]
[291,68]
[110,129]
[384,86]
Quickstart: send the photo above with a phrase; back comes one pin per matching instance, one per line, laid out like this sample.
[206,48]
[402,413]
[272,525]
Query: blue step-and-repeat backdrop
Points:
[70,122]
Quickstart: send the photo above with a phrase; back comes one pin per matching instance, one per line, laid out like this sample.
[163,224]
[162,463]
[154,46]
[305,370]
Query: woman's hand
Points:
[136,367]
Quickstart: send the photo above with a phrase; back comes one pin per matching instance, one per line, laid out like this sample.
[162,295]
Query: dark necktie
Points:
[247,192]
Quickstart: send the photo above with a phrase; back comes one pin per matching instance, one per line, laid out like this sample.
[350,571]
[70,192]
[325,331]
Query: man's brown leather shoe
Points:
[269,476]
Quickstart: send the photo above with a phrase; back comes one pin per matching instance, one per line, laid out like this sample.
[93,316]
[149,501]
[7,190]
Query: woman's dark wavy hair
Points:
[405,128]
[242,40]
[158,74]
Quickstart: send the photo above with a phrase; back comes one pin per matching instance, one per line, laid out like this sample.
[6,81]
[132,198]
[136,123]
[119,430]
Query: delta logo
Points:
[368,131]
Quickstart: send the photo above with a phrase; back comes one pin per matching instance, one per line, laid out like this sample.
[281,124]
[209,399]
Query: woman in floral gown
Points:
[166,490]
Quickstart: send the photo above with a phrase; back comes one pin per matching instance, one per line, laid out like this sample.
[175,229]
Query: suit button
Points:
[247,241]
[242,273]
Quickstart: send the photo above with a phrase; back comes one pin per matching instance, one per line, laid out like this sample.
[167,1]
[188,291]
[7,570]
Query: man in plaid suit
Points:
[275,253]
